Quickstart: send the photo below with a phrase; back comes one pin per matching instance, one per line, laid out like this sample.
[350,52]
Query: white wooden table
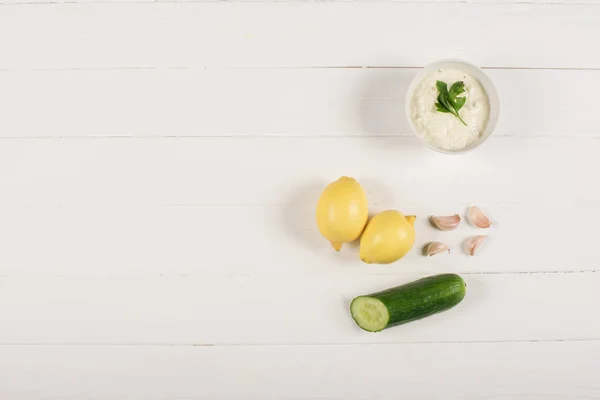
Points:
[160,163]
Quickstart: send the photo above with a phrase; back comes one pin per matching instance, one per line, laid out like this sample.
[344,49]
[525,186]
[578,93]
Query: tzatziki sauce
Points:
[444,130]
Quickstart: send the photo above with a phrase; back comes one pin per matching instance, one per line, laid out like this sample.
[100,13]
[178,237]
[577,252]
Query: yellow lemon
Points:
[342,211]
[388,236]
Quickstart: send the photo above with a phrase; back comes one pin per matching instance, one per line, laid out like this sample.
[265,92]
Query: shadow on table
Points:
[381,101]
[298,215]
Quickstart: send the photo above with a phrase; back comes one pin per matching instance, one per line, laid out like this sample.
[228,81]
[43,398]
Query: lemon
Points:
[342,211]
[388,236]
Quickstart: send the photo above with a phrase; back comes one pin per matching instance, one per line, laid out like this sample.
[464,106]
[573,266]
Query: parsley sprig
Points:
[448,100]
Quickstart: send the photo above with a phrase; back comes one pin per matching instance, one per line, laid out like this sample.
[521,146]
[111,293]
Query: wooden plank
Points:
[293,102]
[295,34]
[535,371]
[271,240]
[283,171]
[566,2]
[286,309]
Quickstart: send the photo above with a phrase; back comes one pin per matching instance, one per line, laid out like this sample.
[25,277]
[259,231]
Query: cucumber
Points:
[406,303]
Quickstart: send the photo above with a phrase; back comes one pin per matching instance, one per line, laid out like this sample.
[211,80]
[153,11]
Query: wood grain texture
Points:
[159,167]
[293,102]
[565,2]
[397,172]
[537,371]
[287,309]
[274,241]
[295,34]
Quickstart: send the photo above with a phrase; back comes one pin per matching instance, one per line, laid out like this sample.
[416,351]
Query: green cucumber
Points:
[402,304]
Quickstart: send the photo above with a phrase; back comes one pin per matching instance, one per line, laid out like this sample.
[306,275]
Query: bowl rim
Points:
[489,88]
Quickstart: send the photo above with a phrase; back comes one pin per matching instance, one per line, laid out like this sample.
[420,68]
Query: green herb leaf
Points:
[456,89]
[442,87]
[441,108]
[444,101]
[448,101]
[459,103]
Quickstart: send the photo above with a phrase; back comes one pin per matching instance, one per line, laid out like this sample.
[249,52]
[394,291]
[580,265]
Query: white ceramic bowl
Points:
[478,74]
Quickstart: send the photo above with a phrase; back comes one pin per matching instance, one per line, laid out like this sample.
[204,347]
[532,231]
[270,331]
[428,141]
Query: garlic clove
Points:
[474,242]
[434,248]
[446,223]
[478,218]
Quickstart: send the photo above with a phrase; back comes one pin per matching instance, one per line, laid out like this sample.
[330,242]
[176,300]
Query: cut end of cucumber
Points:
[369,313]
